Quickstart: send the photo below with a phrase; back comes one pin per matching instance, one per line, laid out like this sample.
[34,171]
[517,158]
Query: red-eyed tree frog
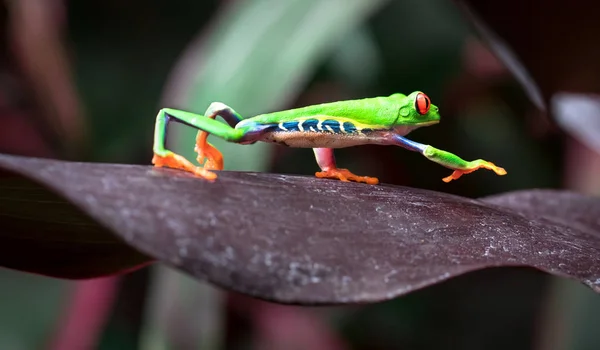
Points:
[379,120]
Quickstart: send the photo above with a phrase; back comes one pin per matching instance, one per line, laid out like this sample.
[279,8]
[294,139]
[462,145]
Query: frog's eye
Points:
[422,103]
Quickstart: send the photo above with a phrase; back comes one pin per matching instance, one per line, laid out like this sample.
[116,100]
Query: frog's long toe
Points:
[477,164]
[346,176]
[176,161]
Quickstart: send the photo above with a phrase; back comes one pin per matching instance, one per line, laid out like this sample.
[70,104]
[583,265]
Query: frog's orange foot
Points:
[210,157]
[346,176]
[176,161]
[478,164]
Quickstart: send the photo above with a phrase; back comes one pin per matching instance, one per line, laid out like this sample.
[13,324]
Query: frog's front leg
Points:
[446,159]
[165,158]
[326,160]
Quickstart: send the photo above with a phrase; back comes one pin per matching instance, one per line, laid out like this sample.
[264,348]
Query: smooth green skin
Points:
[376,112]
[392,116]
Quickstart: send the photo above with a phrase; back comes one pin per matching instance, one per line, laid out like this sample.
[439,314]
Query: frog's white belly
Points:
[315,139]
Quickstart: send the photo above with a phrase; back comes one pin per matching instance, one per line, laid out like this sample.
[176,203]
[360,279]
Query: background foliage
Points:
[84,80]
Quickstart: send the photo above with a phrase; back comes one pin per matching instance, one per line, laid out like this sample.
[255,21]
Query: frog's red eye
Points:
[422,103]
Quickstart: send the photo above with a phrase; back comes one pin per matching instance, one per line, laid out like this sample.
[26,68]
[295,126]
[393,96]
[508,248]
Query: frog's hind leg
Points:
[326,160]
[163,157]
[209,155]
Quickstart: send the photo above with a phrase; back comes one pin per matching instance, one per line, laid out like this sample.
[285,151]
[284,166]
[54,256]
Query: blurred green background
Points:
[84,80]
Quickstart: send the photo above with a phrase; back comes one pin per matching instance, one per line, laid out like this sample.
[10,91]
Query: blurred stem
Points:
[86,314]
[278,326]
[124,325]
[572,310]
[182,313]
[35,30]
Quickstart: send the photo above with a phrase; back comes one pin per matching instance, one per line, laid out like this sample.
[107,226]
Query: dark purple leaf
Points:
[562,207]
[550,39]
[547,45]
[303,240]
[42,232]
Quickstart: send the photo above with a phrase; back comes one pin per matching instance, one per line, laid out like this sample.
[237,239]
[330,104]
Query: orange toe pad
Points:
[346,176]
[487,165]
[176,161]
[455,175]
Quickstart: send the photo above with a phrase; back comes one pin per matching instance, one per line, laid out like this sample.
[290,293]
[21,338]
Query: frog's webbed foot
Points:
[346,176]
[326,161]
[475,165]
[208,156]
[175,161]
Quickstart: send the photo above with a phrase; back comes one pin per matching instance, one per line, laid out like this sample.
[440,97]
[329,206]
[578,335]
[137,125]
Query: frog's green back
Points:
[381,111]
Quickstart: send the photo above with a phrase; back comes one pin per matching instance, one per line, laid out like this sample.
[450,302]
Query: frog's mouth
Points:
[431,122]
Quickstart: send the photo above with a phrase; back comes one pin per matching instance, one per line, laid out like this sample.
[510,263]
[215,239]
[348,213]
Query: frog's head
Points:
[417,111]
